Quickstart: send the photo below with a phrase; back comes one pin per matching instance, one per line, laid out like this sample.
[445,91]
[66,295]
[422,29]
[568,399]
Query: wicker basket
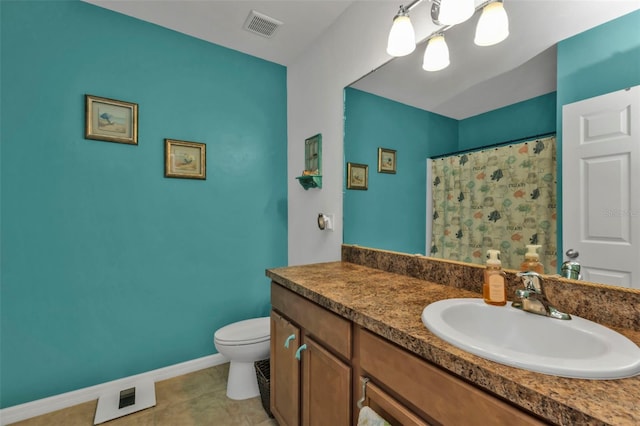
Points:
[264,383]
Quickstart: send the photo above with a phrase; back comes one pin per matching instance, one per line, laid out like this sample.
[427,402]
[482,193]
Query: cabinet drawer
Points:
[327,327]
[442,397]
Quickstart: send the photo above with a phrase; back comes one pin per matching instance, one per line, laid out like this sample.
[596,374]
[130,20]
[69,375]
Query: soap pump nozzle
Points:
[532,260]
[493,257]
[532,252]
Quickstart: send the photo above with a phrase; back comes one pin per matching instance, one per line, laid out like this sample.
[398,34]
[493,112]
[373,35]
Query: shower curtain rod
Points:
[467,151]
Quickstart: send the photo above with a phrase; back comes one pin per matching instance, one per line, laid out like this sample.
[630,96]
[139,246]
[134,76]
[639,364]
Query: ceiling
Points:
[221,22]
[479,79]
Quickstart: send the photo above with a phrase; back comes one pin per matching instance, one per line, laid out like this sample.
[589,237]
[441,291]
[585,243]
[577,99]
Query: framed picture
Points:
[110,120]
[386,160]
[185,159]
[357,176]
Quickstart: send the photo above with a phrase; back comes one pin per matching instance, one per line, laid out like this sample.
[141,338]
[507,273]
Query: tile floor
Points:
[195,399]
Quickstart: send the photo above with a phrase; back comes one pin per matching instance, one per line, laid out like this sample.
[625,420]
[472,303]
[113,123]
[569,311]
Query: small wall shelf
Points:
[310,181]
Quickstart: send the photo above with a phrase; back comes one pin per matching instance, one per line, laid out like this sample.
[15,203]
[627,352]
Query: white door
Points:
[601,186]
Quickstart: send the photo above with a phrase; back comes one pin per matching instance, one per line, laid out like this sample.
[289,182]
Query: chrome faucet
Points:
[534,299]
[571,268]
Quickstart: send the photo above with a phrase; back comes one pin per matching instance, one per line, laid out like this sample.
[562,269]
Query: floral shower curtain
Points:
[501,198]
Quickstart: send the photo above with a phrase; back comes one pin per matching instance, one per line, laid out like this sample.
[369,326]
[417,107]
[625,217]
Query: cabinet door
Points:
[326,387]
[285,371]
[389,408]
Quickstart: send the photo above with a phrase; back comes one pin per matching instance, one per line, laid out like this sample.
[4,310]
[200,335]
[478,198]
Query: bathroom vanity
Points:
[362,322]
[319,387]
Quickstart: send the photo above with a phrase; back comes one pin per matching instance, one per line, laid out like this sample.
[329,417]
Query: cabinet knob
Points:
[290,338]
[300,349]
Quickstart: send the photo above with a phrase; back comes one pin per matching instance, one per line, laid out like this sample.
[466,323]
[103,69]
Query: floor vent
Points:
[124,400]
[261,24]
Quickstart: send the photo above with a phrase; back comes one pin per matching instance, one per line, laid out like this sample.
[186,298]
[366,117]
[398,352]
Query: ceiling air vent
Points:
[261,24]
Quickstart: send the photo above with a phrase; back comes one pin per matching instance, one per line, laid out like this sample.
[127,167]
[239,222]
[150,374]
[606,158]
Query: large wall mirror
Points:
[564,52]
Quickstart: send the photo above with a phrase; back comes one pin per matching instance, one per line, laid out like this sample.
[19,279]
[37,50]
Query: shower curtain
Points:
[500,198]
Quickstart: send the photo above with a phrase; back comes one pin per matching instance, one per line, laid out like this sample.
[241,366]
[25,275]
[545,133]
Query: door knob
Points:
[572,254]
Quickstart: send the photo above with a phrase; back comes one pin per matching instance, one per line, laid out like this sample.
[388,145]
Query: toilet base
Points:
[242,382]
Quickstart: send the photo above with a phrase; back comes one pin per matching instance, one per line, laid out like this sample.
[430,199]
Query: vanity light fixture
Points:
[493,27]
[402,37]
[452,12]
[436,55]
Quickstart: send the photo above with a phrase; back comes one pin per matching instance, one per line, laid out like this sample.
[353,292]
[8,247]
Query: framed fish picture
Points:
[111,120]
[186,160]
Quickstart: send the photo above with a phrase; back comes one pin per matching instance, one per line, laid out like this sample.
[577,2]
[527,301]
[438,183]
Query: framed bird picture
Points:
[386,160]
[357,176]
[111,120]
[185,159]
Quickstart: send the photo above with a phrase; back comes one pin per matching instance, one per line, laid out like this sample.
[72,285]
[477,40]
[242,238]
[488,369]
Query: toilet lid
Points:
[245,332]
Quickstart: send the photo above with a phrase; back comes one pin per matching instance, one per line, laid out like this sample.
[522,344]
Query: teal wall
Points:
[602,60]
[109,269]
[524,119]
[391,213]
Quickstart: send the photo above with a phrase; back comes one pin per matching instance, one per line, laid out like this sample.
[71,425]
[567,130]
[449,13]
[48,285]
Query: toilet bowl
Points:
[243,343]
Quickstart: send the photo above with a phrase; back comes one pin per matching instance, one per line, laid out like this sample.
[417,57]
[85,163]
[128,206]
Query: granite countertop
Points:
[391,305]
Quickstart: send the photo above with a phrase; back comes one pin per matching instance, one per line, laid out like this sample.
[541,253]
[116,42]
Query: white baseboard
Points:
[57,402]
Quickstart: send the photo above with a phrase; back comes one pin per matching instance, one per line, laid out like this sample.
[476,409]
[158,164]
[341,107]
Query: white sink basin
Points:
[576,348]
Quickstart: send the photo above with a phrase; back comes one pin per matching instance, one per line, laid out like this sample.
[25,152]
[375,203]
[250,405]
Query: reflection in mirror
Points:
[503,198]
[392,213]
[312,154]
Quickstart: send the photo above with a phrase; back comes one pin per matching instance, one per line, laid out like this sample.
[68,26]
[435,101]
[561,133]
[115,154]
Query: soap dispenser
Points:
[494,289]
[532,260]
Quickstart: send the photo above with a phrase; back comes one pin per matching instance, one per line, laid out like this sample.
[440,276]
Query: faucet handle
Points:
[533,297]
[532,281]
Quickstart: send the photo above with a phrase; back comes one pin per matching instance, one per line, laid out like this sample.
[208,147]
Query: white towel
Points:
[368,417]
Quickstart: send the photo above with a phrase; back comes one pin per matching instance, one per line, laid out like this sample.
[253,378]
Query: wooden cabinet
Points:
[326,384]
[323,386]
[435,395]
[285,371]
[316,388]
[389,408]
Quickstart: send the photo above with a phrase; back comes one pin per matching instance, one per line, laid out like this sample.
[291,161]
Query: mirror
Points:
[312,173]
[313,155]
[470,105]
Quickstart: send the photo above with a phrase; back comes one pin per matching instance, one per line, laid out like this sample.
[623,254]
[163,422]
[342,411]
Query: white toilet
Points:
[243,343]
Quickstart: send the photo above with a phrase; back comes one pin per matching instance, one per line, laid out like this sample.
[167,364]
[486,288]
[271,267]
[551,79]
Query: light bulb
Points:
[493,25]
[436,55]
[402,38]
[454,12]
